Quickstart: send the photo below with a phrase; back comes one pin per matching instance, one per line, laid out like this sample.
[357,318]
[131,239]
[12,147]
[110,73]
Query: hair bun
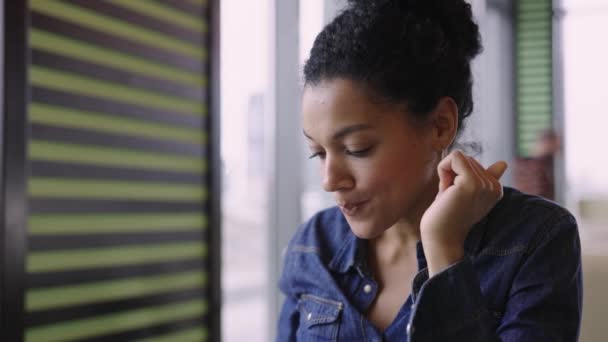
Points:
[454,17]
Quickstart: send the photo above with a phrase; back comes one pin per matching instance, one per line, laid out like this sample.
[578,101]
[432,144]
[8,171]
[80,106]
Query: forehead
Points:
[335,93]
[337,102]
[334,104]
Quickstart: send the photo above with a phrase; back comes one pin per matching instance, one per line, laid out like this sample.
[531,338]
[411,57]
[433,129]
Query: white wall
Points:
[585,25]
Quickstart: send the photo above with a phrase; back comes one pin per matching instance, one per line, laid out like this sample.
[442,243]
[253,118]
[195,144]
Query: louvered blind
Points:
[534,100]
[117,188]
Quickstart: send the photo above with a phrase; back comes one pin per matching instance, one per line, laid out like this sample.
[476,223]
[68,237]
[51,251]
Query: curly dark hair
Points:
[410,52]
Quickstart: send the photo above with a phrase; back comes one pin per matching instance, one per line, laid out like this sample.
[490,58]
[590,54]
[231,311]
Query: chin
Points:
[363,230]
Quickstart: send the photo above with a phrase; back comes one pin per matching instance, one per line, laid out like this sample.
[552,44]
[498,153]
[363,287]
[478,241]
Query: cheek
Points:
[382,175]
[398,174]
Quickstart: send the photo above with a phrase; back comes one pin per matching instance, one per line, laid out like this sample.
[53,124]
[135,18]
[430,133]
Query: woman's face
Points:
[378,163]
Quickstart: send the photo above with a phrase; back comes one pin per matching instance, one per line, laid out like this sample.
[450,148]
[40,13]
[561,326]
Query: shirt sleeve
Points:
[288,321]
[544,302]
[289,317]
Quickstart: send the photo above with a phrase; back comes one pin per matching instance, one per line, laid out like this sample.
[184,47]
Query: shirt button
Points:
[309,317]
[409,329]
[367,288]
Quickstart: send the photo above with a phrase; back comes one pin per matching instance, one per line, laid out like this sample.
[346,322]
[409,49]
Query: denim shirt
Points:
[520,281]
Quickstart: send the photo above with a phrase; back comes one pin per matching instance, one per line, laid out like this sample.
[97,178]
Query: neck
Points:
[395,244]
[399,241]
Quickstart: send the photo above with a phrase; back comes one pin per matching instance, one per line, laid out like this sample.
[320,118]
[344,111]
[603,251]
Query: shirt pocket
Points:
[319,318]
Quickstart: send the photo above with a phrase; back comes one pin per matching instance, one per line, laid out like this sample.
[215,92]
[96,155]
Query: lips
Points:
[352,208]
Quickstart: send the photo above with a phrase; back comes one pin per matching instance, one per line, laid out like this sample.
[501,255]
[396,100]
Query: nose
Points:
[336,175]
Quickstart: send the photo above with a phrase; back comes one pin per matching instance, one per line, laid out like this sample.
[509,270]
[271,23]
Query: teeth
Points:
[350,207]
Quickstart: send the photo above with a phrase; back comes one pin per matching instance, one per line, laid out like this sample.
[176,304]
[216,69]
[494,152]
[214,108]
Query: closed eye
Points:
[360,153]
[321,155]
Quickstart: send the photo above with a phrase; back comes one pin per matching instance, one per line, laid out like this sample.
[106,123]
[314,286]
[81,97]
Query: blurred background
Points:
[539,105]
[154,167]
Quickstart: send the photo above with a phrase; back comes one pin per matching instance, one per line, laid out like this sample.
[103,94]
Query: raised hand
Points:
[467,192]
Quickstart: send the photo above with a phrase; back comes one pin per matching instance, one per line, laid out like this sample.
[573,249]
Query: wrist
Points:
[440,256]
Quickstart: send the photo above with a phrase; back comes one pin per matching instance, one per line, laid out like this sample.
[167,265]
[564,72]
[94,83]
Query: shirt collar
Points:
[346,257]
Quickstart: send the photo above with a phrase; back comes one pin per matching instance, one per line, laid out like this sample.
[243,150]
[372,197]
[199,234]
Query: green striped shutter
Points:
[534,65]
[117,191]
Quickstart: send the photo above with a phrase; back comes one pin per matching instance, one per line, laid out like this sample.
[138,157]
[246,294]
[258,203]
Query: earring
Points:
[444,153]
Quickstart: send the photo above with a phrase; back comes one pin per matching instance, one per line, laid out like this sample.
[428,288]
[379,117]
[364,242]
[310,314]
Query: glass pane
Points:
[244,43]
[585,76]
[585,122]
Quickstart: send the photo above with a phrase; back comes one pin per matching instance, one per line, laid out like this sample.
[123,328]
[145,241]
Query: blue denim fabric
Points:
[520,281]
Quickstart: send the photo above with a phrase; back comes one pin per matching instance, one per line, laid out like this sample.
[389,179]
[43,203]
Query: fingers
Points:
[454,168]
[498,169]
[480,172]
[492,183]
[446,174]
[459,168]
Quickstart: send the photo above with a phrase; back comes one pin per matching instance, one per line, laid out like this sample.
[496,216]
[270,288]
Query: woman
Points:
[423,245]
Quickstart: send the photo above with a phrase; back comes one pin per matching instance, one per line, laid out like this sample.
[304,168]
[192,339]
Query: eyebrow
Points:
[345,131]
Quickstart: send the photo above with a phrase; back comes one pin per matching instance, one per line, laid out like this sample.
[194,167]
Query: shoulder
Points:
[323,234]
[310,251]
[521,207]
[521,222]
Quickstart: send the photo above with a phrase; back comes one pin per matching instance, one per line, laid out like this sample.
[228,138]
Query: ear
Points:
[445,123]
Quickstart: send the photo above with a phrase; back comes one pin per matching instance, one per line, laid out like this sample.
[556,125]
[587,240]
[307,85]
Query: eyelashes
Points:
[321,155]
[358,154]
